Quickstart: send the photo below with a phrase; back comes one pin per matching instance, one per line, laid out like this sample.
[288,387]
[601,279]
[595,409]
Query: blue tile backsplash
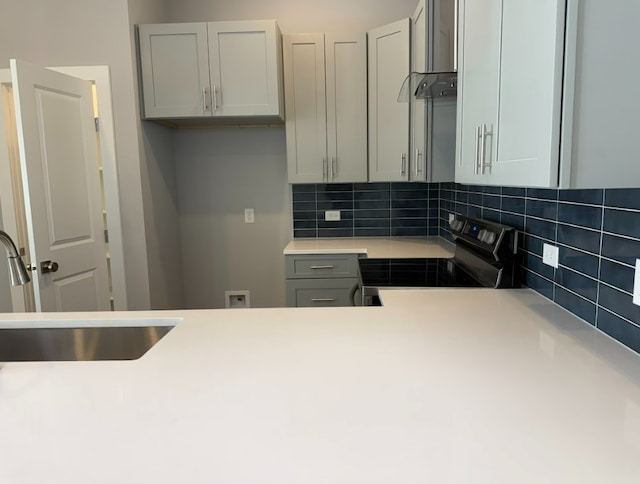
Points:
[366,209]
[598,232]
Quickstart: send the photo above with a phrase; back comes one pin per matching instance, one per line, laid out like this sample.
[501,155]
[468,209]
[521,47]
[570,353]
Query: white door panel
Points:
[58,153]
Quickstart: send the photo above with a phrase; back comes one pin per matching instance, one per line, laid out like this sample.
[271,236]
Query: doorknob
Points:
[48,266]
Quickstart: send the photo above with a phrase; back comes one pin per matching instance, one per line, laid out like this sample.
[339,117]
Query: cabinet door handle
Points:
[334,167]
[325,170]
[476,159]
[321,267]
[205,105]
[215,98]
[483,136]
[403,160]
[323,299]
[418,162]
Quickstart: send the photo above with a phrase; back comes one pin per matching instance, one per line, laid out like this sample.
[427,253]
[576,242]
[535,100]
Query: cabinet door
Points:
[530,95]
[306,108]
[245,68]
[388,119]
[417,155]
[175,70]
[478,77]
[346,91]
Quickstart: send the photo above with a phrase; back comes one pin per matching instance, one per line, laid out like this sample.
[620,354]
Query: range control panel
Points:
[483,234]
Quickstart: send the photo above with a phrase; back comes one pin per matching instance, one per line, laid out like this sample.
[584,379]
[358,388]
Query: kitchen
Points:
[183,192]
[183,220]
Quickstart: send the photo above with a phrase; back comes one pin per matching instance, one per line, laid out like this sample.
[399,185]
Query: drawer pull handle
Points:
[323,299]
[321,267]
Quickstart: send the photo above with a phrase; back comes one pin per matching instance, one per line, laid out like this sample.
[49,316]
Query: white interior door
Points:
[58,157]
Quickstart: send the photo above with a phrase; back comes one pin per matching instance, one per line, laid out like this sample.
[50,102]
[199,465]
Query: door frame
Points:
[100,75]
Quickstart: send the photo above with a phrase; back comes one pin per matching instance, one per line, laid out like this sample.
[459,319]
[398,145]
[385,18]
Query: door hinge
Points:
[97,122]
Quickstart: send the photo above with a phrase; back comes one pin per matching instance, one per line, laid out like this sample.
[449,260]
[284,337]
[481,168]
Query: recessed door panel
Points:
[78,291]
[63,167]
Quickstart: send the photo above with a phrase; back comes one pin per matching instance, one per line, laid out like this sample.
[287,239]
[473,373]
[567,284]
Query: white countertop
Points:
[377,247]
[441,385]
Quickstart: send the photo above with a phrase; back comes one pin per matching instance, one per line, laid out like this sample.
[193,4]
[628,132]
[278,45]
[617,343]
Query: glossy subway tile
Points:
[592,196]
[622,222]
[578,283]
[573,303]
[617,275]
[619,302]
[623,198]
[580,238]
[582,215]
[616,327]
[597,230]
[579,261]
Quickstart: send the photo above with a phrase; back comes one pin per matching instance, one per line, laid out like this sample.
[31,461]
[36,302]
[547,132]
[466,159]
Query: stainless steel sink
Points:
[78,343]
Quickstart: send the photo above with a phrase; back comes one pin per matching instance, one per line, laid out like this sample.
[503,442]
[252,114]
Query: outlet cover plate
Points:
[249,216]
[636,284]
[550,255]
[332,215]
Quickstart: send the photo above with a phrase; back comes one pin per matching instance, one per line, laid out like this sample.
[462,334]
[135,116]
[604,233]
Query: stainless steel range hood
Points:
[431,85]
[439,79]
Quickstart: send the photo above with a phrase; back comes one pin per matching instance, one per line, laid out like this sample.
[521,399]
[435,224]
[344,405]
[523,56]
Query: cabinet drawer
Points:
[321,292]
[321,266]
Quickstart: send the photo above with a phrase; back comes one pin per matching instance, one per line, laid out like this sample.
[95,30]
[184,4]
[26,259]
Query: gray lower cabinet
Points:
[321,280]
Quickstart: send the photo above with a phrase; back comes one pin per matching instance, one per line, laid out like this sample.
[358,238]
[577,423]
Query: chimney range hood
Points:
[432,85]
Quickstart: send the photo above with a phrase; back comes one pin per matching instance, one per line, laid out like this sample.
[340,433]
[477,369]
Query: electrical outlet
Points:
[332,215]
[249,216]
[237,299]
[636,284]
[550,255]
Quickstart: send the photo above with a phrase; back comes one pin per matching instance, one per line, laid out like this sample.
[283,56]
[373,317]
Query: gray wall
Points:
[159,187]
[222,171]
[5,292]
[296,15]
[91,32]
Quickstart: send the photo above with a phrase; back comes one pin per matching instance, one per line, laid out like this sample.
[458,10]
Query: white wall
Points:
[222,171]
[91,32]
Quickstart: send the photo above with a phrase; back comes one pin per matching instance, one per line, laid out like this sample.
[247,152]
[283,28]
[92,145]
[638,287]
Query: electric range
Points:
[486,255]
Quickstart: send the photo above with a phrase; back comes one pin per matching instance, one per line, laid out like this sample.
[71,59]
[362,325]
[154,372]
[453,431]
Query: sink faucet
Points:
[17,271]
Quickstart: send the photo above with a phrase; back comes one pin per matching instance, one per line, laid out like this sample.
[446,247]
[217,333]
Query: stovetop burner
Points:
[388,273]
[485,256]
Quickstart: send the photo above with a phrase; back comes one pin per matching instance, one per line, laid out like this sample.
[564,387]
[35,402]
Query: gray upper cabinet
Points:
[326,104]
[433,121]
[535,100]
[510,92]
[389,62]
[215,69]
